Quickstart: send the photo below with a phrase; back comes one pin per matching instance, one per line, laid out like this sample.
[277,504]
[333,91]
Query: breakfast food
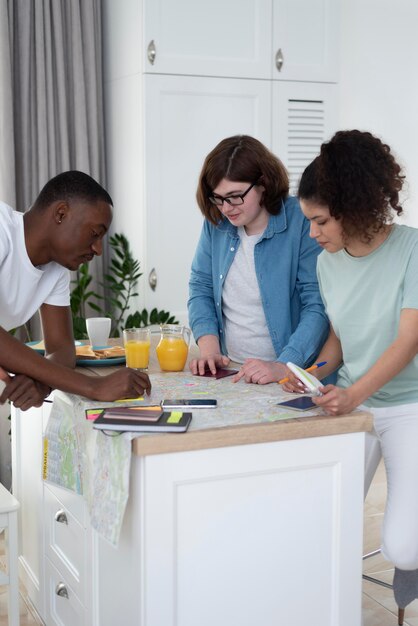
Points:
[85,352]
[110,352]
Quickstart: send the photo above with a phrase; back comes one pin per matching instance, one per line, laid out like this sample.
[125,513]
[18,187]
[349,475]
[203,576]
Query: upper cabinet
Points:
[305,40]
[215,38]
[267,39]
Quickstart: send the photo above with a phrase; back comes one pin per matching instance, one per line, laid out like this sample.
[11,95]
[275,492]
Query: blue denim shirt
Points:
[285,265]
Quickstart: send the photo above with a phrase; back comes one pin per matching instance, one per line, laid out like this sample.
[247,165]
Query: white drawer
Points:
[63,607]
[73,502]
[66,543]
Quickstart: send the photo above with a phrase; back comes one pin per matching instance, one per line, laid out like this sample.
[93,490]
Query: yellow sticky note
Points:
[175,417]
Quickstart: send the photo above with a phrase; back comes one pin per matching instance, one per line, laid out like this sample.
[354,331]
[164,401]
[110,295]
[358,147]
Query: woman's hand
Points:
[208,362]
[261,372]
[293,385]
[336,400]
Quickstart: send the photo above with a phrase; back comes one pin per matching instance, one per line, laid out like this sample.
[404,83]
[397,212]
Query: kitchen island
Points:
[252,522]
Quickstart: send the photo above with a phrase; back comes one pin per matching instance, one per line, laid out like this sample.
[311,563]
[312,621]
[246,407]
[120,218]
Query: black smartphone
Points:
[303,403]
[193,403]
[220,373]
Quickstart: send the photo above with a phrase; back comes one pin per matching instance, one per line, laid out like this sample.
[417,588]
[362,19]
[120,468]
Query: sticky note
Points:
[91,414]
[175,417]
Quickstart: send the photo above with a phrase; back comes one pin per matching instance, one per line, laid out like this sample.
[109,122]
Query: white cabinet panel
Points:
[66,543]
[305,117]
[28,489]
[306,33]
[214,38]
[225,518]
[63,607]
[241,38]
[185,117]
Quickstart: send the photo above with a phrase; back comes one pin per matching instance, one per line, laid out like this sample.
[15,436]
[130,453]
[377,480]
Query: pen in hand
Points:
[308,369]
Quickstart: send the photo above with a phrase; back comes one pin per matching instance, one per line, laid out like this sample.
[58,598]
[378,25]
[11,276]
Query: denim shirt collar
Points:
[276,224]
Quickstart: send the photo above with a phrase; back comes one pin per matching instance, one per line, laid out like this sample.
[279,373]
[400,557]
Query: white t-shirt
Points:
[246,332]
[24,287]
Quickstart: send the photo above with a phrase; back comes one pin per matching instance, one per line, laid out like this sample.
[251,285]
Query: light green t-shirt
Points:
[363,297]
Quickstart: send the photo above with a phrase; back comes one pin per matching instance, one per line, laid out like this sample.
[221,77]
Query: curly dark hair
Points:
[242,159]
[358,179]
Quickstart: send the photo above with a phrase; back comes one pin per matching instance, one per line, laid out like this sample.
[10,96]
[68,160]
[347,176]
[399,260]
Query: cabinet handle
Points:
[152,279]
[61,517]
[61,591]
[279,59]
[151,52]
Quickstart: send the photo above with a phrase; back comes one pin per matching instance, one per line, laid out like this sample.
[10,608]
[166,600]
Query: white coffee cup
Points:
[98,330]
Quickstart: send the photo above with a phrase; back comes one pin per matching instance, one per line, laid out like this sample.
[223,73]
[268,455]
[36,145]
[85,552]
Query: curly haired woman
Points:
[368,277]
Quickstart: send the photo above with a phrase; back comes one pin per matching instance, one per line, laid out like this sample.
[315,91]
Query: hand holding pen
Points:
[308,369]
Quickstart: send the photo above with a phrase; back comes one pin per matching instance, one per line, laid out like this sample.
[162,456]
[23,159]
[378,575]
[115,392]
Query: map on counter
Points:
[97,465]
[238,403]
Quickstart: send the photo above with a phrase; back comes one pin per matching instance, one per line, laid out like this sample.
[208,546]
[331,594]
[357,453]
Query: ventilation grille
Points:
[305,134]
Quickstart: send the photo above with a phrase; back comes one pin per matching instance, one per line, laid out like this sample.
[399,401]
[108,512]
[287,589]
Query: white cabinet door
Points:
[215,38]
[265,534]
[305,115]
[305,36]
[185,117]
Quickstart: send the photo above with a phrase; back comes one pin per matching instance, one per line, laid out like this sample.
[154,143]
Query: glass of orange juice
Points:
[137,343]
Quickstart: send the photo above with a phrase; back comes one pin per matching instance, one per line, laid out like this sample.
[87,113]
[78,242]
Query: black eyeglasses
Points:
[231,200]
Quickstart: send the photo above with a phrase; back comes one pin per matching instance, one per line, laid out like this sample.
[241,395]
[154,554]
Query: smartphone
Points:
[220,373]
[195,403]
[303,403]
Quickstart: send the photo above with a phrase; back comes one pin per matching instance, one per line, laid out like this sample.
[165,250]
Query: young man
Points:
[63,229]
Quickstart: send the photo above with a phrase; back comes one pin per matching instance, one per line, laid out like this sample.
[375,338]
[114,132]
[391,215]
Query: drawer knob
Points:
[61,590]
[61,517]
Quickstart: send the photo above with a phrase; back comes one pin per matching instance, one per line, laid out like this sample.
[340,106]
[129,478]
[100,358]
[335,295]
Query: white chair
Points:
[8,521]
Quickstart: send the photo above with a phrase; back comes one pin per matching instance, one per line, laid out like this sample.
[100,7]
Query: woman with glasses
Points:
[254,296]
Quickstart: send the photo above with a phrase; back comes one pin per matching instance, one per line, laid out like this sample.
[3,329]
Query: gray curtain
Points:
[7,153]
[57,93]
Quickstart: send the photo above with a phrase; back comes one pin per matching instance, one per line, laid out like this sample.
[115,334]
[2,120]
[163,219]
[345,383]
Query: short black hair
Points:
[69,185]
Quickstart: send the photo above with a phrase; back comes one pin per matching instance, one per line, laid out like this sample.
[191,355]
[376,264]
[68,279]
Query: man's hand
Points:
[261,372]
[125,383]
[24,392]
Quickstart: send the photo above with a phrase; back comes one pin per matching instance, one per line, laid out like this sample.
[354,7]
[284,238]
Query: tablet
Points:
[304,403]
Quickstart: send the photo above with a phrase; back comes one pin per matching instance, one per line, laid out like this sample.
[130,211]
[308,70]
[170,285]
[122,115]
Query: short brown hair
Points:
[357,177]
[242,159]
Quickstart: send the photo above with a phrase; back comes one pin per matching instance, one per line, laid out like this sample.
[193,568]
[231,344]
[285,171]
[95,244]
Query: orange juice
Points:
[137,354]
[172,354]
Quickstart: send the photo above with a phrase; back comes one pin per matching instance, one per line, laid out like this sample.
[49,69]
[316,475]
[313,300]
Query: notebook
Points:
[169,422]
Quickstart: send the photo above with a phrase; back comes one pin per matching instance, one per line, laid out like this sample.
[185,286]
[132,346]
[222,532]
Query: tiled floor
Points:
[27,618]
[379,607]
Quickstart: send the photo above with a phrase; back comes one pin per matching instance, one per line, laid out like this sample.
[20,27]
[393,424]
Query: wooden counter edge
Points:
[297,428]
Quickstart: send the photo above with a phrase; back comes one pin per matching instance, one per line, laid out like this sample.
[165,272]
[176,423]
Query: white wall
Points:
[124,102]
[379,80]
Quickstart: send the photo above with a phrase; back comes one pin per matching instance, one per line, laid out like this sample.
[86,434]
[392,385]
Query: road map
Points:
[97,465]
